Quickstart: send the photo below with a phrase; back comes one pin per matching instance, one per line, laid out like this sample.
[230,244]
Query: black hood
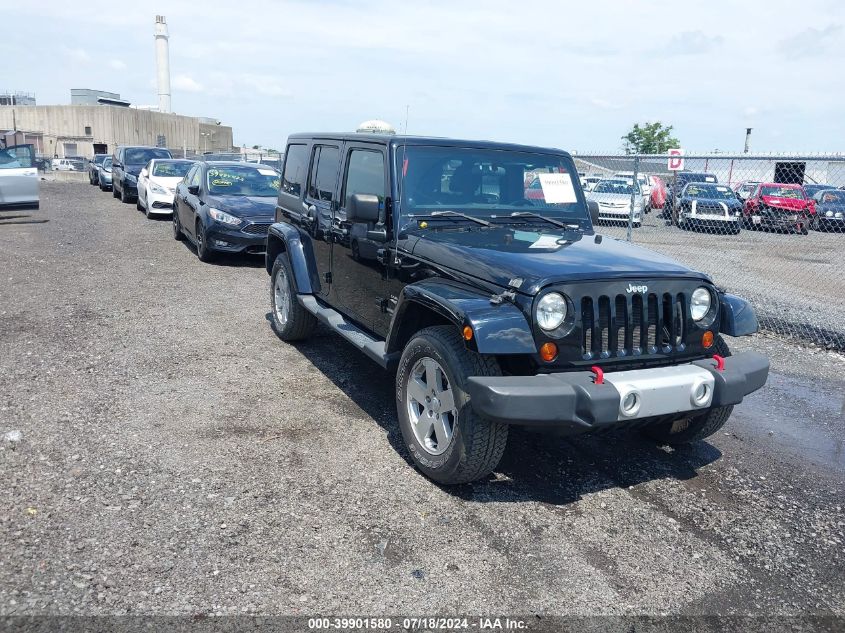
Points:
[540,257]
[732,203]
[244,206]
[134,169]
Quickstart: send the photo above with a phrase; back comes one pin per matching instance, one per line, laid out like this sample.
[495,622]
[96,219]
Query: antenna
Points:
[407,109]
[403,164]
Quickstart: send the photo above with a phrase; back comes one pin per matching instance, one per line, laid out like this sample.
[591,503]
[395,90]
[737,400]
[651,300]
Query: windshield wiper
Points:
[531,214]
[438,214]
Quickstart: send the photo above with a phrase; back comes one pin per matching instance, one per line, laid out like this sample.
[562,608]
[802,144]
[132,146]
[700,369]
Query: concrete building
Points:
[85,130]
[7,97]
[86,96]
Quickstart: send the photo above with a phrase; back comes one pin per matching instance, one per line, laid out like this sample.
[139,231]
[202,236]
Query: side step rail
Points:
[372,347]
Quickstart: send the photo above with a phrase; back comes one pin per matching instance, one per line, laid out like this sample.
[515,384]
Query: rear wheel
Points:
[686,429]
[290,321]
[448,441]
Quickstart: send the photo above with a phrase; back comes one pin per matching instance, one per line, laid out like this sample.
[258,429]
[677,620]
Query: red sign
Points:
[676,159]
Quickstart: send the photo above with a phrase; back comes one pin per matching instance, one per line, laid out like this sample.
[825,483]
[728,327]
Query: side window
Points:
[324,173]
[190,175]
[16,157]
[364,174]
[296,169]
[195,179]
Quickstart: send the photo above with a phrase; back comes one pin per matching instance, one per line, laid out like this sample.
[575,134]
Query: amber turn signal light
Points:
[548,352]
[467,333]
[707,339]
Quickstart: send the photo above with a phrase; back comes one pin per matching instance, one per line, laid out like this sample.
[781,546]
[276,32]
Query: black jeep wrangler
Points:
[471,271]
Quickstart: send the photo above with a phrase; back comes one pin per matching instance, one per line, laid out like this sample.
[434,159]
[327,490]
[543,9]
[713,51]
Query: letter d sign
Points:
[676,159]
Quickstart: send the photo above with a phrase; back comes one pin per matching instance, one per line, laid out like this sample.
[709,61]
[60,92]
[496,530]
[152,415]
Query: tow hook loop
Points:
[599,380]
[720,362]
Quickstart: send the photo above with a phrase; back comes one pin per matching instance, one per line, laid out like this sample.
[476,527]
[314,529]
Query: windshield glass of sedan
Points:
[614,186]
[139,155]
[176,169]
[243,181]
[783,192]
[833,197]
[486,182]
[107,163]
[717,192]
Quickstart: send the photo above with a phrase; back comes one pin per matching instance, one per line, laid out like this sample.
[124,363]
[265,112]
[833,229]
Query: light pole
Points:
[207,135]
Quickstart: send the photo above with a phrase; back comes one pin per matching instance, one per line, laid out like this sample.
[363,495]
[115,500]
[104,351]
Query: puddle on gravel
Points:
[800,416]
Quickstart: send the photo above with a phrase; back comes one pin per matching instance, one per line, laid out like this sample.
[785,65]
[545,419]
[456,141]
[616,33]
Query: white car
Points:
[66,164]
[589,182]
[157,184]
[613,196]
[642,179]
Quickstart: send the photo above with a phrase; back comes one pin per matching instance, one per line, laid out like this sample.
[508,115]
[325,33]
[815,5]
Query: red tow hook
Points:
[720,362]
[599,380]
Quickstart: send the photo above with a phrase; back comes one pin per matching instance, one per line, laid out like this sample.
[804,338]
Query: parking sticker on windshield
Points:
[266,172]
[557,188]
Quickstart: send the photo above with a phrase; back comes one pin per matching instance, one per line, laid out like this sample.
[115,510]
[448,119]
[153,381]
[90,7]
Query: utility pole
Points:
[747,139]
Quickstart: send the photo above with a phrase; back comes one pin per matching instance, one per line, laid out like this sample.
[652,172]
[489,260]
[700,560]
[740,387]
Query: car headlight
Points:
[222,216]
[551,311]
[828,214]
[158,189]
[700,303]
[838,214]
[131,179]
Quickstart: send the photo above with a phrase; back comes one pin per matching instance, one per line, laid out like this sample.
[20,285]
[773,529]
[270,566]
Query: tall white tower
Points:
[162,63]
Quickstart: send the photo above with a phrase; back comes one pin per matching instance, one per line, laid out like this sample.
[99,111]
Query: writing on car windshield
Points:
[783,192]
[243,181]
[717,192]
[487,182]
[176,169]
[615,186]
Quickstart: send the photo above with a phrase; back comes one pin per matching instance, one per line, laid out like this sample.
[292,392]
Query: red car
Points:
[657,198]
[778,206]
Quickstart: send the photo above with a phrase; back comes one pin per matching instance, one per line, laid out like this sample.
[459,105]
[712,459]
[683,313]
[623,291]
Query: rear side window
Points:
[296,169]
[324,173]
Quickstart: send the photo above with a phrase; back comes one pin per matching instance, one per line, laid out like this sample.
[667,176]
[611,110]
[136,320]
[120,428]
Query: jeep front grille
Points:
[631,325]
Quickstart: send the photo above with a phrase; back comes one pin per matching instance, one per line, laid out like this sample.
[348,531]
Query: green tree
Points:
[650,138]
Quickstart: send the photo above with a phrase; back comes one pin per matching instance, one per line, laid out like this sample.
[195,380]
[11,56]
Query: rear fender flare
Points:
[284,238]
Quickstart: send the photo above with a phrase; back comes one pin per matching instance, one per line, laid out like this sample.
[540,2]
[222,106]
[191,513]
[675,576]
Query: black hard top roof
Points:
[404,139]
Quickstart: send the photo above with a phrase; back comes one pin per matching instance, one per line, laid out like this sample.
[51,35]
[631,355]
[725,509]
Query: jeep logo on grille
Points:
[639,289]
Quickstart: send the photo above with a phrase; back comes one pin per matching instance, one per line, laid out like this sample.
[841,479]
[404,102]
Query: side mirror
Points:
[593,206]
[363,207]
[144,172]
[193,189]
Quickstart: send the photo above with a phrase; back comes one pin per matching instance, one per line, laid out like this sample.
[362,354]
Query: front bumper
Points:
[160,202]
[574,403]
[235,240]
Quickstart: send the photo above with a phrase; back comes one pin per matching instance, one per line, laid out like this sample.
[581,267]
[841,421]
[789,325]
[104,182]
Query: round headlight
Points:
[700,303]
[551,311]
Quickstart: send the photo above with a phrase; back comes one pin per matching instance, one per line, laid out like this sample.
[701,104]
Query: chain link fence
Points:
[770,228]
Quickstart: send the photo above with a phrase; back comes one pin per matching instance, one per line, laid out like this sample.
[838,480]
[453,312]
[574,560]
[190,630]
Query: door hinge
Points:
[327,277]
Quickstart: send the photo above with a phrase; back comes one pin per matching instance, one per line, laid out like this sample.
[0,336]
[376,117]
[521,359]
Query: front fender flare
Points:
[497,328]
[737,316]
[283,237]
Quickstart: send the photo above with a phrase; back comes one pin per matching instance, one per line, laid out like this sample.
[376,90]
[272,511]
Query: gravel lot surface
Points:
[174,457]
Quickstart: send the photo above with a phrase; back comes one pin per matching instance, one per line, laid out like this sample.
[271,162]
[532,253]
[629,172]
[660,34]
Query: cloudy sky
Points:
[570,75]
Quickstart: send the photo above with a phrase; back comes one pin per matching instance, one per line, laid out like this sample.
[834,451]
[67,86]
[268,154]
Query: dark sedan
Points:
[710,206]
[226,207]
[94,168]
[830,210]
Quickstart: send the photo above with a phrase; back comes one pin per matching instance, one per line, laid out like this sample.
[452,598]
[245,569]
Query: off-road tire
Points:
[477,443]
[300,323]
[688,429]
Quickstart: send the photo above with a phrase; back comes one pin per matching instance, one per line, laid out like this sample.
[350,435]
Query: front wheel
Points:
[686,429]
[177,226]
[448,441]
[124,197]
[204,252]
[290,321]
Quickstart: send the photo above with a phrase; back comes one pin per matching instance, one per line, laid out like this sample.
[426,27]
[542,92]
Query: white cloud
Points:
[691,43]
[117,64]
[810,42]
[187,84]
[78,55]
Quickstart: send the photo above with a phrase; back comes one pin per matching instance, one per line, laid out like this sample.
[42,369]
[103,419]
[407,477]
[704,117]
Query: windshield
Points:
[832,197]
[811,189]
[243,181]
[107,162]
[488,182]
[98,159]
[615,186]
[175,169]
[718,192]
[783,192]
[139,155]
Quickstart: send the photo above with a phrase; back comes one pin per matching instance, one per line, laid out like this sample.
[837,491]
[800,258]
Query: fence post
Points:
[633,197]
